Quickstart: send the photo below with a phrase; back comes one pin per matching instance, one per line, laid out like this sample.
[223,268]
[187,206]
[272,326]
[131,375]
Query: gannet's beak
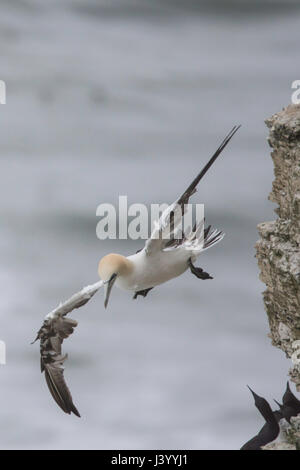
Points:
[108,287]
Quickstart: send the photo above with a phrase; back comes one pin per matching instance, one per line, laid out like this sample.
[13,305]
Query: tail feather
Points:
[211,237]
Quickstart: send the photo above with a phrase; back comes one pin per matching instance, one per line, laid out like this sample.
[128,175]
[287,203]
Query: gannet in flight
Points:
[160,260]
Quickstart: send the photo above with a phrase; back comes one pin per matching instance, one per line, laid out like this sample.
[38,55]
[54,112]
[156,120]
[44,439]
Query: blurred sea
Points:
[132,97]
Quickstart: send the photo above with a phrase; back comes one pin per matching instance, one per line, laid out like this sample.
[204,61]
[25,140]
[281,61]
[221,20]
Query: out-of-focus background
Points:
[110,97]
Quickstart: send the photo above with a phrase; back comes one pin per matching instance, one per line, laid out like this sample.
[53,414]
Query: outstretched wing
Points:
[170,222]
[55,329]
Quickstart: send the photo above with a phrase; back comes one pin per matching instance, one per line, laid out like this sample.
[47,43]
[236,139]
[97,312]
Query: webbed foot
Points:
[198,272]
[143,292]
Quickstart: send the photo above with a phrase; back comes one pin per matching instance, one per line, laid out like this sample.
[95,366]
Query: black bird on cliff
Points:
[270,430]
[290,404]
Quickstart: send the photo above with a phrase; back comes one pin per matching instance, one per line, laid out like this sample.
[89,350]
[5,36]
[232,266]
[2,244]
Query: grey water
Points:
[131,97]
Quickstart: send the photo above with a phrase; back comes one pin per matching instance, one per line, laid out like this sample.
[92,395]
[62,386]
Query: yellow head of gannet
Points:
[111,266]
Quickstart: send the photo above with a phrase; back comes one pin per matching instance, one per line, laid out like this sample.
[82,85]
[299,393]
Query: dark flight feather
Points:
[184,199]
[172,216]
[51,336]
[55,329]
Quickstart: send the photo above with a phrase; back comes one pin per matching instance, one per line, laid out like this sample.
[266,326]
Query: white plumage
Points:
[166,255]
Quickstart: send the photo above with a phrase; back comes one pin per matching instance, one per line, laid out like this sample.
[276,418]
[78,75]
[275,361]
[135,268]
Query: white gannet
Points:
[161,259]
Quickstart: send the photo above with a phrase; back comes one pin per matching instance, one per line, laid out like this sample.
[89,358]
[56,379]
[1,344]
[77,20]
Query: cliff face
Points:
[289,436]
[278,250]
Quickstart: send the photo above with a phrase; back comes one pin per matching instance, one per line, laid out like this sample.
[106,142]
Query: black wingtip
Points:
[192,187]
[59,390]
[75,411]
[72,409]
[231,134]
